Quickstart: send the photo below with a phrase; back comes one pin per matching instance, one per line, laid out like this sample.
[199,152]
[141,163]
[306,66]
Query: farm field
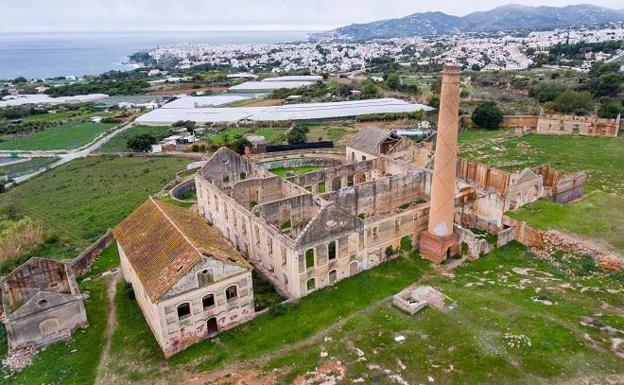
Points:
[66,137]
[87,196]
[27,167]
[119,142]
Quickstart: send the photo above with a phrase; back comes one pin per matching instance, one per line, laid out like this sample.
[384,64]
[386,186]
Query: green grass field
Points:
[601,158]
[65,137]
[119,142]
[292,171]
[26,167]
[490,304]
[597,216]
[273,135]
[82,199]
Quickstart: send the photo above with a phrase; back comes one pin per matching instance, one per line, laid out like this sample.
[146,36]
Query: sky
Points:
[232,15]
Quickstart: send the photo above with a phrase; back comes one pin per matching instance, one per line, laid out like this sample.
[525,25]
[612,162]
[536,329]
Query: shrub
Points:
[487,115]
[141,142]
[579,103]
[609,108]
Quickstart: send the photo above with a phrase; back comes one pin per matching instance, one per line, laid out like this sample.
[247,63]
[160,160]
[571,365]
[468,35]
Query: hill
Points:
[506,18]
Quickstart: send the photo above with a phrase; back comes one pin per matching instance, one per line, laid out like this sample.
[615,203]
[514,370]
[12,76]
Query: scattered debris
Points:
[19,358]
[399,338]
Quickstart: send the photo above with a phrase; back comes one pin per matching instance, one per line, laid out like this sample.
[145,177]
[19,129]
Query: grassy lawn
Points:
[136,354]
[598,216]
[27,167]
[108,260]
[119,142]
[73,362]
[492,306]
[82,199]
[601,158]
[67,136]
[273,135]
[496,332]
[292,171]
[337,133]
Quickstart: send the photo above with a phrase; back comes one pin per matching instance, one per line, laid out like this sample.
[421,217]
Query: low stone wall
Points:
[542,239]
[183,188]
[509,121]
[505,236]
[81,263]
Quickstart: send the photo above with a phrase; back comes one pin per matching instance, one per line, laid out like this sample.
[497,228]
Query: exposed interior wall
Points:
[560,124]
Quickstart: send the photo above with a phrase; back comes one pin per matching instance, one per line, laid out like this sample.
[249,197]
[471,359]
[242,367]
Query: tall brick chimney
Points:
[439,242]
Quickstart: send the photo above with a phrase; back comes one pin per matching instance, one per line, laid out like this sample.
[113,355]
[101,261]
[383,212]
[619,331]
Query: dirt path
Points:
[250,366]
[110,327]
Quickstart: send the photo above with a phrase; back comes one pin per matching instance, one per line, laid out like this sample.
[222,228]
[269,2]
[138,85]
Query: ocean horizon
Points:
[43,54]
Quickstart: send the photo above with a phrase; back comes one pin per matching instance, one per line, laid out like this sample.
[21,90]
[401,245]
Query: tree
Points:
[392,81]
[297,135]
[141,142]
[487,115]
[606,85]
[546,91]
[369,90]
[476,67]
[609,108]
[239,145]
[579,103]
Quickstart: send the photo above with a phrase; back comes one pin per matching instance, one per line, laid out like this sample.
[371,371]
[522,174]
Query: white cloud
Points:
[135,15]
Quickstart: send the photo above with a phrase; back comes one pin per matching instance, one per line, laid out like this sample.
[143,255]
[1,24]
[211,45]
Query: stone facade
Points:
[189,282]
[559,124]
[42,303]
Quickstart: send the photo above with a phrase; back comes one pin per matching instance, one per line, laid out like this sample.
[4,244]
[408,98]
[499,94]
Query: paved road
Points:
[79,153]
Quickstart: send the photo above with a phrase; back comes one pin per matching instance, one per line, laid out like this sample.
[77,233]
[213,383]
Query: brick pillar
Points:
[439,241]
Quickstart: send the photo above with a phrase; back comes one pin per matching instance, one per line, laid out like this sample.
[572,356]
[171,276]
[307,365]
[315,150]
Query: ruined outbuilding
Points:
[189,282]
[591,125]
[42,303]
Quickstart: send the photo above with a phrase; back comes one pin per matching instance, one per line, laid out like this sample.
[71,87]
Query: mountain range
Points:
[507,18]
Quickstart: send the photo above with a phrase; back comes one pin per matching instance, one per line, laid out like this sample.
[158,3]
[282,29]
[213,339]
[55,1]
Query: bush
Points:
[546,91]
[609,108]
[572,102]
[141,142]
[487,115]
[297,135]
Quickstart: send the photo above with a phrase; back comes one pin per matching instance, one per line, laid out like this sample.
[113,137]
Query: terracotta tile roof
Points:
[163,242]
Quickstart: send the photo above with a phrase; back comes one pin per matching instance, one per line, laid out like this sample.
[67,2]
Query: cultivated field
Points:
[65,137]
[119,142]
[81,200]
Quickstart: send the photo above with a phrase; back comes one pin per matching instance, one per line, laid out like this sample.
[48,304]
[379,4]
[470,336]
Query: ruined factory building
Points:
[42,303]
[189,282]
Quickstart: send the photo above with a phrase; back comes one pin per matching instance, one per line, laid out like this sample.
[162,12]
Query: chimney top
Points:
[451,69]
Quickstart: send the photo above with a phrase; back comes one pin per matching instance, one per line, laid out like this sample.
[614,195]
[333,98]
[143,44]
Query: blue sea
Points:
[41,55]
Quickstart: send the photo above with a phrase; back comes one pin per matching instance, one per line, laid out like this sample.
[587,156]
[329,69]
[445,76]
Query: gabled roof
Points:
[369,139]
[163,242]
